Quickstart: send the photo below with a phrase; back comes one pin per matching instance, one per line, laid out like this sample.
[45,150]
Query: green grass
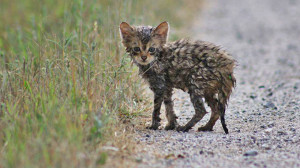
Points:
[65,79]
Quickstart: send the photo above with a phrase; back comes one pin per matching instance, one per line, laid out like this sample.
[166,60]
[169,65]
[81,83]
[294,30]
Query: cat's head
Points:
[144,43]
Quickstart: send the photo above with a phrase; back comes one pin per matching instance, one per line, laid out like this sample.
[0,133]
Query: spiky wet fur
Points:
[200,68]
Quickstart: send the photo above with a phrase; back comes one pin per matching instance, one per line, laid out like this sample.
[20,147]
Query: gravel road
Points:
[263,113]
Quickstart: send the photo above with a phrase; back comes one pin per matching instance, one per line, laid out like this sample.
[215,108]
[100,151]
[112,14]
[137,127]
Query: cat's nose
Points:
[144,57]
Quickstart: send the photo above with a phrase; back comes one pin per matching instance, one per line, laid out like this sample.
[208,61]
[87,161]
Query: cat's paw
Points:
[170,127]
[182,129]
[205,129]
[153,126]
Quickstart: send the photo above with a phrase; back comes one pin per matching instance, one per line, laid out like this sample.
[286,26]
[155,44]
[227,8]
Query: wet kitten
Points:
[200,68]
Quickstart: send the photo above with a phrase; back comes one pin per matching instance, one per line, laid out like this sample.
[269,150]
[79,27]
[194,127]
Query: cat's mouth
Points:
[144,61]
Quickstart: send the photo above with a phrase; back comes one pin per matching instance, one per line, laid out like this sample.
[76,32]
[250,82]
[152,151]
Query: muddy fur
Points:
[200,68]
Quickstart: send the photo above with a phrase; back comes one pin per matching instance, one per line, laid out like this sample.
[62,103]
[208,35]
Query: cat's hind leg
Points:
[200,112]
[213,104]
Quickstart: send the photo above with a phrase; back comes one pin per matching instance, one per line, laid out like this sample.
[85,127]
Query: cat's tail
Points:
[228,82]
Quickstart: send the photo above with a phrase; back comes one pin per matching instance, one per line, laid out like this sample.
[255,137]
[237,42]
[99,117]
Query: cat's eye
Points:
[136,49]
[151,49]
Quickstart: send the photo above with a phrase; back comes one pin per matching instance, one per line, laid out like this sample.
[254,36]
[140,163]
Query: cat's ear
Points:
[125,30]
[162,31]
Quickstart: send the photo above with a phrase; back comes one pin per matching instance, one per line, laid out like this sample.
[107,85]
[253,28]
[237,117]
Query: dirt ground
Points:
[263,113]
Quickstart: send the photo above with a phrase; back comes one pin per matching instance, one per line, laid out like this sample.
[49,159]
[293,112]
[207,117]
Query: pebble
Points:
[270,104]
[253,96]
[271,124]
[270,94]
[262,126]
[251,153]
[180,139]
[206,152]
[281,133]
[139,160]
[268,130]
[266,146]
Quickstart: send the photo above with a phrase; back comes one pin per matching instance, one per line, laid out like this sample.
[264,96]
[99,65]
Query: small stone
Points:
[170,156]
[210,153]
[281,133]
[253,138]
[262,86]
[268,130]
[271,124]
[263,126]
[251,153]
[147,135]
[266,146]
[295,140]
[180,156]
[253,96]
[270,104]
[270,94]
[139,160]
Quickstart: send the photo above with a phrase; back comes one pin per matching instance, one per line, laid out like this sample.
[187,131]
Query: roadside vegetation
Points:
[68,92]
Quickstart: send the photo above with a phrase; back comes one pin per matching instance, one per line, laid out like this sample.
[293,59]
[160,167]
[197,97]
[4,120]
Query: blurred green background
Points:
[65,81]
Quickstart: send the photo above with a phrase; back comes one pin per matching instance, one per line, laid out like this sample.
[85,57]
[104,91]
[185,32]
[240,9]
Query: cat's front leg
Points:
[158,99]
[170,114]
